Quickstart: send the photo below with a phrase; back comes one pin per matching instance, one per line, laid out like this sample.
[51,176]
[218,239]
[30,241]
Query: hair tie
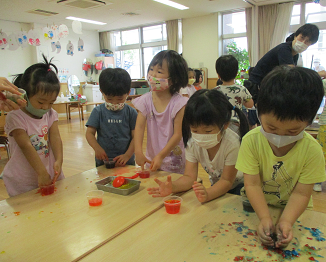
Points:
[233,108]
[49,70]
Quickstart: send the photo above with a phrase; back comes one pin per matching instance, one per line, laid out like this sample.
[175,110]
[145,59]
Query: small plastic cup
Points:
[144,173]
[109,163]
[246,205]
[15,97]
[172,204]
[95,197]
[47,190]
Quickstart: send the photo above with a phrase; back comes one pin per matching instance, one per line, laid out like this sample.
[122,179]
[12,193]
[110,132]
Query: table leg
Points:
[79,106]
[82,112]
[68,114]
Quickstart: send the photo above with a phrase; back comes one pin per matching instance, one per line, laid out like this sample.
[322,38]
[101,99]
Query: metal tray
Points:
[105,185]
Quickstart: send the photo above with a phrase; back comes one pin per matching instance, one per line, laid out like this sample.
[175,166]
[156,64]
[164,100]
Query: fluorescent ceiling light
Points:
[173,4]
[85,20]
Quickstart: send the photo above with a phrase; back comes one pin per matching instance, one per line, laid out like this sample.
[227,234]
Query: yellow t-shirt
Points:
[304,163]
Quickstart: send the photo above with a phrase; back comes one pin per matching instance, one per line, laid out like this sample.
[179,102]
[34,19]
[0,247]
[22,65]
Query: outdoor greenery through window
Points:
[135,48]
[235,38]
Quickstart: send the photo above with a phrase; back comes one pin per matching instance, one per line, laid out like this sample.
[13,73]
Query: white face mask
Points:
[299,47]
[280,141]
[206,141]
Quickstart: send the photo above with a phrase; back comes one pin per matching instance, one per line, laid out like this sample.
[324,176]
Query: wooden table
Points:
[66,103]
[62,226]
[216,231]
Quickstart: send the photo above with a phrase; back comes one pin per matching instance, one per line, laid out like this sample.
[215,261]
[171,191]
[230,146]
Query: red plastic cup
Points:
[47,190]
[144,174]
[172,204]
[95,197]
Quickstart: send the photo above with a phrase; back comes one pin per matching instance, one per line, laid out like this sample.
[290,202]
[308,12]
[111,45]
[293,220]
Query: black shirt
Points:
[279,55]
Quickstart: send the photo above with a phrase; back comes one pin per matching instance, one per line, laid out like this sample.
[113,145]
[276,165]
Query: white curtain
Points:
[249,32]
[172,34]
[281,29]
[107,41]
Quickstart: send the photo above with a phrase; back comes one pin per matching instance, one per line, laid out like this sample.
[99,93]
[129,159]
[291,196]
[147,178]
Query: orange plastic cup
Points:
[95,197]
[172,204]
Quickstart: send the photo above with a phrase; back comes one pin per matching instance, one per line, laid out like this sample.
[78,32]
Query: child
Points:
[227,69]
[321,137]
[189,90]
[34,138]
[208,140]
[114,121]
[199,79]
[163,110]
[279,160]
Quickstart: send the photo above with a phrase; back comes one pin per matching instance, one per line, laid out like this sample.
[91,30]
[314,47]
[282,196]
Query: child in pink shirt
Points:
[163,110]
[34,139]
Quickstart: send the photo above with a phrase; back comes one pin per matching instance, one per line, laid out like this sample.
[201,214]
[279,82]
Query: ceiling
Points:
[147,11]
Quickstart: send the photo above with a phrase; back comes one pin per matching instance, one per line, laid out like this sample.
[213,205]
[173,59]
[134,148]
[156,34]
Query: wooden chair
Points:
[4,141]
[74,106]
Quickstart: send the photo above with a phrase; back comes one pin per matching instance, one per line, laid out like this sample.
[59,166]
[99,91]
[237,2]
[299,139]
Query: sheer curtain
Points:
[107,41]
[249,32]
[283,20]
[172,34]
[267,16]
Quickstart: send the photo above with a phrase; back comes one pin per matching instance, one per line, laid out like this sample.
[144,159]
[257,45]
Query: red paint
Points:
[213,236]
[95,202]
[17,213]
[244,249]
[250,234]
[226,230]
[47,190]
[238,258]
[2,96]
[202,232]
[312,259]
[144,174]
[309,238]
[172,206]
[230,224]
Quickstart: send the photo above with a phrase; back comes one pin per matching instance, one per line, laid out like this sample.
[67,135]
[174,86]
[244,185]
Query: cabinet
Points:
[93,94]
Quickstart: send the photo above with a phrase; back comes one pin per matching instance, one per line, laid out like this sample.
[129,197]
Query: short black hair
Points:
[310,30]
[115,82]
[291,93]
[39,77]
[227,67]
[210,107]
[198,74]
[177,66]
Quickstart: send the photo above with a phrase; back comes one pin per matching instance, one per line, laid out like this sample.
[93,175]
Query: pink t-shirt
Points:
[18,174]
[160,130]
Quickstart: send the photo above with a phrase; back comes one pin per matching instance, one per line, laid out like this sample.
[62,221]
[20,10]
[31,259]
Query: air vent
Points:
[84,4]
[41,12]
[130,14]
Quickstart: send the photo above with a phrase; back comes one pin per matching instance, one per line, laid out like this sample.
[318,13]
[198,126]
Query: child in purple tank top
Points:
[163,110]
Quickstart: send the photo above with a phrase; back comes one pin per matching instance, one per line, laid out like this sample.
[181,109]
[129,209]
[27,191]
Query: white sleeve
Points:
[190,152]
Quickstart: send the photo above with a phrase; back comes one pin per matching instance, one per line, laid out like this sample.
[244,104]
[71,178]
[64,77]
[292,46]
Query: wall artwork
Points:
[3,40]
[22,39]
[70,49]
[80,45]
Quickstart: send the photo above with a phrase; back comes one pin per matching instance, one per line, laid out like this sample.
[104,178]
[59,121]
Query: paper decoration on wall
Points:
[53,47]
[3,40]
[13,42]
[63,31]
[58,46]
[48,33]
[55,31]
[70,49]
[322,3]
[22,39]
[33,37]
[77,27]
[80,45]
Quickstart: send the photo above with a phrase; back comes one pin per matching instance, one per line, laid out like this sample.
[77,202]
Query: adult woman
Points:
[283,54]
[8,105]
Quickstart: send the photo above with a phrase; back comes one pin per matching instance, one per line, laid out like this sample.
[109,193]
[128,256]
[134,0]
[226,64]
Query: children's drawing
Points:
[3,40]
[77,27]
[63,31]
[70,49]
[22,39]
[80,45]
[12,42]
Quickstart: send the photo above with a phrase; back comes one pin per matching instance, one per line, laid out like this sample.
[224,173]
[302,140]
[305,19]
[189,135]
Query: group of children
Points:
[277,163]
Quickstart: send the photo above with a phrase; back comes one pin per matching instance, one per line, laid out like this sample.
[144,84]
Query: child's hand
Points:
[284,234]
[200,192]
[265,229]
[141,160]
[44,180]
[156,163]
[121,160]
[100,154]
[164,189]
[57,171]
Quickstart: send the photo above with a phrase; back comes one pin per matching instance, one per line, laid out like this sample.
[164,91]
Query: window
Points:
[135,48]
[315,13]
[295,18]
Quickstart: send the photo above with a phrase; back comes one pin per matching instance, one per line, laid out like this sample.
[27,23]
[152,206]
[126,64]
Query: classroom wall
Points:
[200,42]
[15,62]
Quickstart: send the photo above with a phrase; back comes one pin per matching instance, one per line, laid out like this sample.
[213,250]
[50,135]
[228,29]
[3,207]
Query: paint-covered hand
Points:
[121,160]
[156,163]
[100,154]
[44,179]
[265,229]
[284,234]
[6,104]
[57,170]
[164,189]
[141,160]
[200,192]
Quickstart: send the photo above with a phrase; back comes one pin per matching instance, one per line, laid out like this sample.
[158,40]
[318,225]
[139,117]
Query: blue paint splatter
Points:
[239,229]
[315,232]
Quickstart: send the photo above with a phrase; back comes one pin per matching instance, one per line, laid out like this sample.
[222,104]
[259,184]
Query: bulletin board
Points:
[203,70]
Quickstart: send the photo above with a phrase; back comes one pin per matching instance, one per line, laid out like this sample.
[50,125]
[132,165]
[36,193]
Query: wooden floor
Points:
[79,157]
